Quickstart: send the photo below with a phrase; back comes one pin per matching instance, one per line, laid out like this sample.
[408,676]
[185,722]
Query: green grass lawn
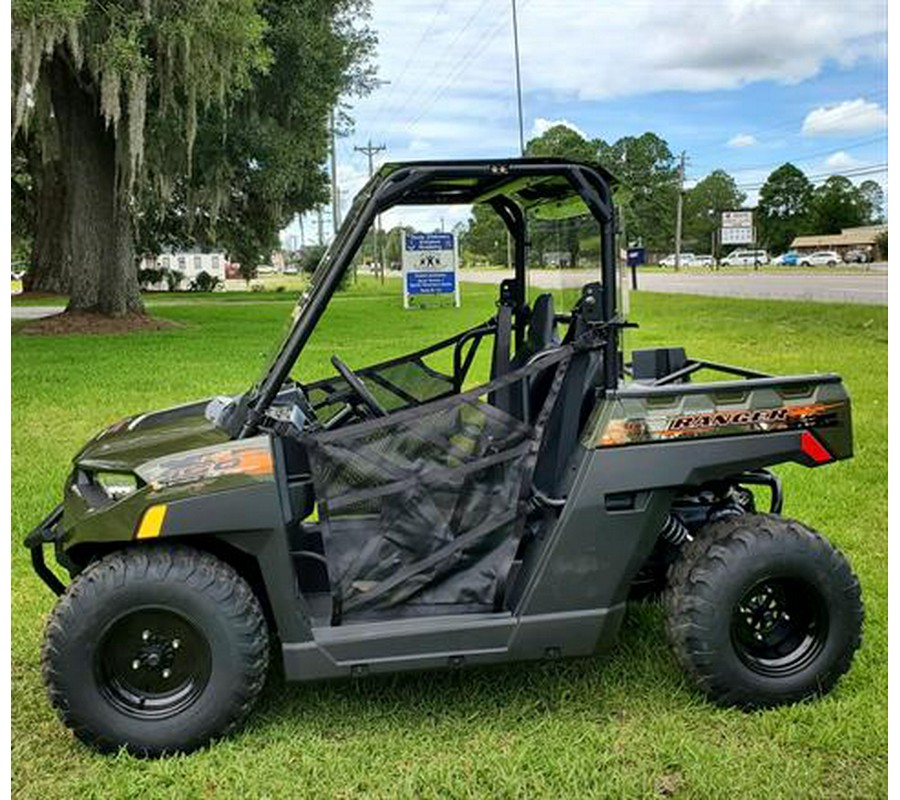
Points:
[624,725]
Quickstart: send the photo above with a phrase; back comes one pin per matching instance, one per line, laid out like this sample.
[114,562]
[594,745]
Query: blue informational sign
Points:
[429,265]
[636,256]
[429,241]
[430,283]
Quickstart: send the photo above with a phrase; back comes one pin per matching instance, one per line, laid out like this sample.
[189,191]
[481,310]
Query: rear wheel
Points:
[156,649]
[763,611]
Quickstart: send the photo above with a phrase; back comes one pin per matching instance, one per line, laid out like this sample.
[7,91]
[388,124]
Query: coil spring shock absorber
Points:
[674,531]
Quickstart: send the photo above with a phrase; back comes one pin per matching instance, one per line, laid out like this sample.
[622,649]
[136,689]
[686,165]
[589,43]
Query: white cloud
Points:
[542,125]
[845,119]
[742,140]
[841,160]
[454,71]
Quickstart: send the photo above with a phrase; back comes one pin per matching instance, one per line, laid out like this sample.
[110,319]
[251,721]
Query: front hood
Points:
[128,443]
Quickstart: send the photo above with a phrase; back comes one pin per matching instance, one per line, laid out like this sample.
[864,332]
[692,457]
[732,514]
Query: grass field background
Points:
[624,725]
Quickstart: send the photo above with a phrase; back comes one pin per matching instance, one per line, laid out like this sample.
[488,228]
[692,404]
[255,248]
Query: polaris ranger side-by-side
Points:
[400,516]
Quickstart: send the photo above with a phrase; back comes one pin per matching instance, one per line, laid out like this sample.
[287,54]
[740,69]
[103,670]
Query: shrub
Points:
[311,257]
[149,277]
[173,278]
[204,282]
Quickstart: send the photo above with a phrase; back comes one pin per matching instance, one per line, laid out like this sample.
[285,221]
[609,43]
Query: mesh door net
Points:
[425,506]
[429,374]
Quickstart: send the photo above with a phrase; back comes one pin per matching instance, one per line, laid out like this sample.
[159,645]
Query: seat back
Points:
[567,419]
[542,331]
[541,335]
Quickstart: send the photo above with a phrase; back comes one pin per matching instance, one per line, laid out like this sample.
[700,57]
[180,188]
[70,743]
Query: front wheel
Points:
[763,611]
[156,649]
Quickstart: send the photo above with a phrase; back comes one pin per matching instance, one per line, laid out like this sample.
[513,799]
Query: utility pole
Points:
[321,226]
[679,212]
[370,150]
[335,194]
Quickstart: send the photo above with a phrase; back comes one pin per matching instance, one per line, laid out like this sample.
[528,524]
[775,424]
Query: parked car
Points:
[821,258]
[685,260]
[857,256]
[788,259]
[745,258]
[704,261]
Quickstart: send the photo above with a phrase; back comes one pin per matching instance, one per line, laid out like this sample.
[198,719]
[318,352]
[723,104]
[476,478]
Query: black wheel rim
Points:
[152,663]
[779,626]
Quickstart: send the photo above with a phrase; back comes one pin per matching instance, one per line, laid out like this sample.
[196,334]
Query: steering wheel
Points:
[359,388]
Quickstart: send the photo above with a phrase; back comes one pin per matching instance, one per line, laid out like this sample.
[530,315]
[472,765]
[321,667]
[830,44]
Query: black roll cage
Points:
[408,184]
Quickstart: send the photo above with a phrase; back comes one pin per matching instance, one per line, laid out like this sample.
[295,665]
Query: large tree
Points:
[262,162]
[485,237]
[873,194]
[648,173]
[86,74]
[185,120]
[784,208]
[703,207]
[838,204]
[645,196]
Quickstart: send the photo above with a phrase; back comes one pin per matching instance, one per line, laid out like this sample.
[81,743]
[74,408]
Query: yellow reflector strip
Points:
[151,522]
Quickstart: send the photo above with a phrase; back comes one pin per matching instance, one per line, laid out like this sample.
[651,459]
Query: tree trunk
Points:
[103,272]
[50,269]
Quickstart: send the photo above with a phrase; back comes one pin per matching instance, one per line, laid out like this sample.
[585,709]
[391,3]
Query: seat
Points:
[542,335]
[542,332]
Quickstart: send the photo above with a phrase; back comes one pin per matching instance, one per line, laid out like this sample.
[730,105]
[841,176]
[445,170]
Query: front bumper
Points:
[48,532]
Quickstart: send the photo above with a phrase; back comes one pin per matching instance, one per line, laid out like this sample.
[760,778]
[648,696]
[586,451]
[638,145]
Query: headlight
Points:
[116,485]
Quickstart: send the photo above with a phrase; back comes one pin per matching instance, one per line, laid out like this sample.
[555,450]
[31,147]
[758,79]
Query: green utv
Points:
[401,516]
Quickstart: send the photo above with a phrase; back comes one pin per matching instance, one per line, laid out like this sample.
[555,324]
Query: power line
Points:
[873,98]
[460,67]
[419,91]
[805,157]
[408,62]
[856,172]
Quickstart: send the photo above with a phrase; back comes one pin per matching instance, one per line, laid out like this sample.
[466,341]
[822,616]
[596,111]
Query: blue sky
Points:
[742,85]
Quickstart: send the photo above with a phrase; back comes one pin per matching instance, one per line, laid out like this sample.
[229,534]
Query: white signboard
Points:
[737,219]
[737,236]
[429,266]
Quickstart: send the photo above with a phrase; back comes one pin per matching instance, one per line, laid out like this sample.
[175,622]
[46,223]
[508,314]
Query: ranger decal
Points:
[661,427]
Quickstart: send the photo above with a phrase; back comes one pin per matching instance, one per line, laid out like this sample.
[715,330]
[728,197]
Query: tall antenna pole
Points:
[335,194]
[515,22]
[678,212]
[370,151]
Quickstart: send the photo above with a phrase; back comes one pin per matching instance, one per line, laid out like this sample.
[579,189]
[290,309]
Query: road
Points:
[865,287]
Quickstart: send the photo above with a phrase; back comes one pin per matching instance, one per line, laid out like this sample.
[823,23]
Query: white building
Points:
[190,265]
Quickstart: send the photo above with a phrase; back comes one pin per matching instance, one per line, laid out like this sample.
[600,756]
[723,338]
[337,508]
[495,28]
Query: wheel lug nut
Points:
[166,673]
[145,635]
[136,664]
[176,644]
